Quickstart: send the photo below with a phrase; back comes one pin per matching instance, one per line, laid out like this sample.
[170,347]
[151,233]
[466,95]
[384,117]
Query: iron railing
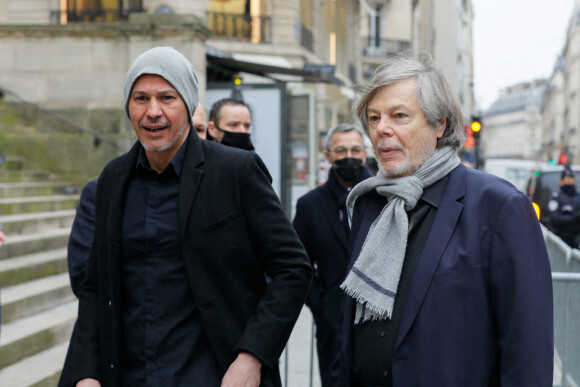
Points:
[378,48]
[565,263]
[243,27]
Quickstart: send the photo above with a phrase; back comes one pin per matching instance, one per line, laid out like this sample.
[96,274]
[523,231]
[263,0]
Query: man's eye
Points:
[400,115]
[374,118]
[168,97]
[141,98]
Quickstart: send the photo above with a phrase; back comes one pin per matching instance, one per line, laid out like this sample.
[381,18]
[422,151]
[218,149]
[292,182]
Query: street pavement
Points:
[299,363]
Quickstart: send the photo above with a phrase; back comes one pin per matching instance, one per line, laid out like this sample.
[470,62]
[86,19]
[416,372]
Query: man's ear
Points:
[327,155]
[441,124]
[212,129]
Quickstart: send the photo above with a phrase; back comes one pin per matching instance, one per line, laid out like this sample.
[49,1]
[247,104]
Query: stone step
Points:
[28,336]
[35,188]
[14,175]
[35,296]
[42,369]
[17,245]
[18,270]
[36,221]
[11,206]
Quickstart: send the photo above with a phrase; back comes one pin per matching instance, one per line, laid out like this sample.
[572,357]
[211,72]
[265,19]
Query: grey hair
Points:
[434,94]
[342,128]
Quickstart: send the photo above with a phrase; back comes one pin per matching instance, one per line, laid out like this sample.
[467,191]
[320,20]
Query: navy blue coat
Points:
[479,312]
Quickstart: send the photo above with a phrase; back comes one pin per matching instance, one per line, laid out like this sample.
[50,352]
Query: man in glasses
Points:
[322,225]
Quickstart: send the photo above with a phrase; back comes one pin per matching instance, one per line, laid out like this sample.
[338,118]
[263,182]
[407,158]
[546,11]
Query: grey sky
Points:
[515,41]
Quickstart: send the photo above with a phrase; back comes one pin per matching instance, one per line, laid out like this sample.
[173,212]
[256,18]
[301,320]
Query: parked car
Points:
[516,171]
[543,182]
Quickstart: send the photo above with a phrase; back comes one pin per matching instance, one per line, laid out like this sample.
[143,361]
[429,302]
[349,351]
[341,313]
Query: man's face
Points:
[200,122]
[399,132]
[158,114]
[345,144]
[568,180]
[232,118]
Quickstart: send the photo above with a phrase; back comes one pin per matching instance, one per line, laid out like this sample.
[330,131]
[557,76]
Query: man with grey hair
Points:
[178,292]
[322,225]
[449,281]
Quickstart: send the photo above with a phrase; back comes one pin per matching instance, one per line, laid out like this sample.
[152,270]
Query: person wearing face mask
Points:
[322,225]
[229,124]
[564,209]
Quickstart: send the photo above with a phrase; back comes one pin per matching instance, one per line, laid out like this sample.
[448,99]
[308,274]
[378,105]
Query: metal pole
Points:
[312,333]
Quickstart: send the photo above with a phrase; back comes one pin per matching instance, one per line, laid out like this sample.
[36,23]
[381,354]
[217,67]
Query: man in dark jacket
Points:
[322,225]
[564,209]
[175,290]
[449,281]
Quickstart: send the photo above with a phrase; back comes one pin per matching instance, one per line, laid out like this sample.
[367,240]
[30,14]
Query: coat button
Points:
[110,303]
[385,373]
[382,334]
[112,366]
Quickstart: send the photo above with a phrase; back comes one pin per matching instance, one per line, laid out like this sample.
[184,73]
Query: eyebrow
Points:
[391,108]
[161,92]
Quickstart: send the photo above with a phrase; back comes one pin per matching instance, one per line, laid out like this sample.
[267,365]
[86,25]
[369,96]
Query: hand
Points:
[88,383]
[2,238]
[245,371]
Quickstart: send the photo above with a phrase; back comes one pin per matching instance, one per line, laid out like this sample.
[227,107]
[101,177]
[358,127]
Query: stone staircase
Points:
[38,306]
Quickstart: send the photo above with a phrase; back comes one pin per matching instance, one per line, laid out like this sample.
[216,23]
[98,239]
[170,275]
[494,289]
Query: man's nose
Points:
[154,108]
[385,128]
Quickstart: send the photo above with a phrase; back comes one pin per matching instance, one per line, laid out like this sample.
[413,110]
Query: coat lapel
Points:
[443,226]
[328,204]
[114,224]
[191,176]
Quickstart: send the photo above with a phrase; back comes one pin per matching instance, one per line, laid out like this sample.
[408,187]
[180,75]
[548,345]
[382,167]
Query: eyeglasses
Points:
[342,151]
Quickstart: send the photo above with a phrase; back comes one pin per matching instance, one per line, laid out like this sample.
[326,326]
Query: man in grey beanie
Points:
[175,291]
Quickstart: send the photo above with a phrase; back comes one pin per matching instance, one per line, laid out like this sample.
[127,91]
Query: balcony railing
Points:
[306,39]
[91,15]
[255,29]
[373,47]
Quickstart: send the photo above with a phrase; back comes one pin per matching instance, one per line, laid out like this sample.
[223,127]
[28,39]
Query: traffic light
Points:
[476,126]
[563,159]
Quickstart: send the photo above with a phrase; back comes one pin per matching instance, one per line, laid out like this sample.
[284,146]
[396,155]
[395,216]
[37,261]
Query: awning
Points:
[232,65]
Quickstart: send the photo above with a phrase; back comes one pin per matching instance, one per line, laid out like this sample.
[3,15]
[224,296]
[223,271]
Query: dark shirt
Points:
[164,343]
[374,341]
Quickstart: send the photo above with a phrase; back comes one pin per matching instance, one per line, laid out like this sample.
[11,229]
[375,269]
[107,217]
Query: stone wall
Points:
[63,86]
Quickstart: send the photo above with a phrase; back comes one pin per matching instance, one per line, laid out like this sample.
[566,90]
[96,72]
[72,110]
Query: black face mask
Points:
[569,189]
[348,169]
[236,139]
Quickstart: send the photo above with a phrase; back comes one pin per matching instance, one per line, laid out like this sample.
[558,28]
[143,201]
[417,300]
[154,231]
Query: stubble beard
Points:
[169,145]
[420,154]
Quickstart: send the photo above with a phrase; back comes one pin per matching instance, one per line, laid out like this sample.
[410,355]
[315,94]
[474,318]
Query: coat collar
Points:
[328,202]
[190,176]
[448,213]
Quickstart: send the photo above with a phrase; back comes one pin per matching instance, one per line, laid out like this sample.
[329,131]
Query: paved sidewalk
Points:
[300,354]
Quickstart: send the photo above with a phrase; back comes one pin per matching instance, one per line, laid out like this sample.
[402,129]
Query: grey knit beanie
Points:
[170,64]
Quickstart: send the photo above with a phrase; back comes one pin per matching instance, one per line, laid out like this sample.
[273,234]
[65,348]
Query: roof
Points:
[517,101]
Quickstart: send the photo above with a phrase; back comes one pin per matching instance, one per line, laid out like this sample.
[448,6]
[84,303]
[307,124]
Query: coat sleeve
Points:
[81,237]
[283,259]
[521,296]
[301,225]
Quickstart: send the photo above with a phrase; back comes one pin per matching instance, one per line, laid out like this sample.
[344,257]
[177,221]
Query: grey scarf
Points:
[374,278]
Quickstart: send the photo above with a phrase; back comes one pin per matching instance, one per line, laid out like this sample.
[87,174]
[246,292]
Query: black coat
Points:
[319,227]
[233,231]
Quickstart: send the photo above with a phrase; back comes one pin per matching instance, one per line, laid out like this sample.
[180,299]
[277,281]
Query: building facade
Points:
[513,123]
